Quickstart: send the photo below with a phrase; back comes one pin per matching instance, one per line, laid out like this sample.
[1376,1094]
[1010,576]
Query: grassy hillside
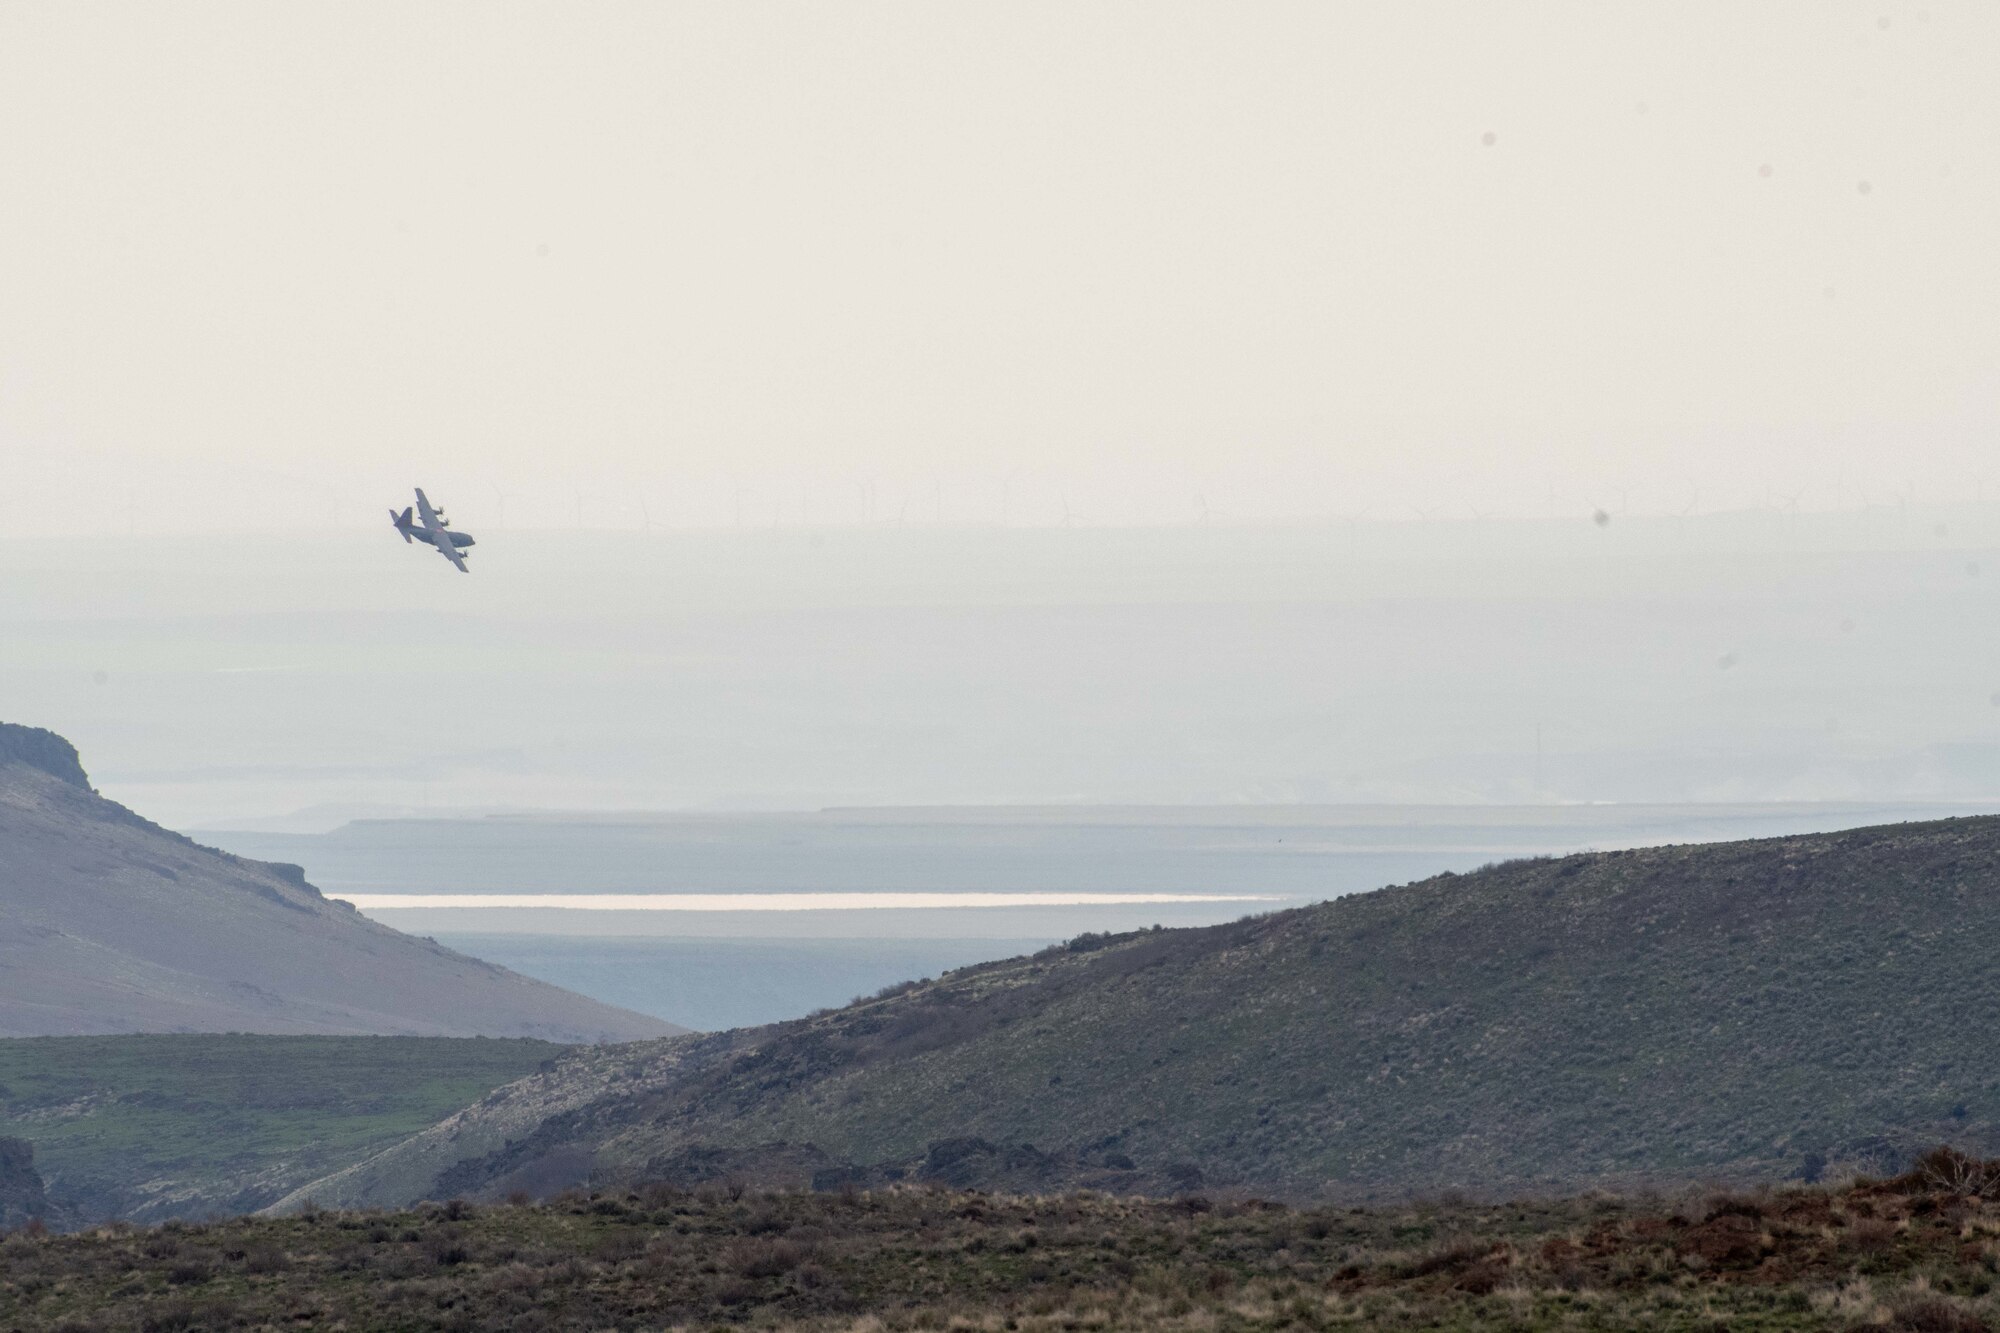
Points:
[166,1125]
[1758,1010]
[1919,1253]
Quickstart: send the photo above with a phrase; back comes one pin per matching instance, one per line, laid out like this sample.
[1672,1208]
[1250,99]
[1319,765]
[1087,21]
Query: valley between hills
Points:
[1784,1009]
[1519,1097]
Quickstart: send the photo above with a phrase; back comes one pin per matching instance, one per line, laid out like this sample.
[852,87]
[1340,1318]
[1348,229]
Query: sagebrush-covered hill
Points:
[1779,1008]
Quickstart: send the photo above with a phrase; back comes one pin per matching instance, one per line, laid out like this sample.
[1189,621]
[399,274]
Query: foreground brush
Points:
[1920,1251]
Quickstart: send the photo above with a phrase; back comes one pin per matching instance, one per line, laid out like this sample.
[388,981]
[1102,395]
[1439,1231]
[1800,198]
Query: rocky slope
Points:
[1781,1008]
[109,923]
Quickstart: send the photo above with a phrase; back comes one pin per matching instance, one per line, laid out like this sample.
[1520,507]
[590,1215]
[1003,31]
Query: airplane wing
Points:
[437,534]
[425,512]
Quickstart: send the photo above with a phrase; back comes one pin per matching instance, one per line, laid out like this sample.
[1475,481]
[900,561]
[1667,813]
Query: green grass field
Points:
[186,1125]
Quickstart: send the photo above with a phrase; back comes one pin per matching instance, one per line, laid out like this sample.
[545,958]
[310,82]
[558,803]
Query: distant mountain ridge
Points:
[110,923]
[1786,1007]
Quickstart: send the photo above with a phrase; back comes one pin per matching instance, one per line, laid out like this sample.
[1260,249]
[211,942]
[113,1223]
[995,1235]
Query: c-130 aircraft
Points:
[434,530]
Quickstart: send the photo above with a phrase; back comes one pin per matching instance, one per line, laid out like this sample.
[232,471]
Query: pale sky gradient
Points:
[708,264]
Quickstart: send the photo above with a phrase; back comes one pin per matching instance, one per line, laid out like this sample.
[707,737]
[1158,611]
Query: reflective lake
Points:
[738,919]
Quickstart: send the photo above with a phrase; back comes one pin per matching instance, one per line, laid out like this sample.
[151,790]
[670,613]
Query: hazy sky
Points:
[700,264]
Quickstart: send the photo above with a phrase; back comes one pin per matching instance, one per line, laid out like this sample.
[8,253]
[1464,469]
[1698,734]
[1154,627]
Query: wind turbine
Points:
[1353,526]
[1007,494]
[500,499]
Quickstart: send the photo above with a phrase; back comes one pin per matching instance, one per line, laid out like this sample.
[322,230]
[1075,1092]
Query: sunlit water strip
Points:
[777,902]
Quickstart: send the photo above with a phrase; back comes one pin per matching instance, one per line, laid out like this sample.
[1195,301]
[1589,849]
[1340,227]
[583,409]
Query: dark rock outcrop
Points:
[44,751]
[22,1197]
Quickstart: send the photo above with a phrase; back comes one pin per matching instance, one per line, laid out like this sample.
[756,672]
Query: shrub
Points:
[762,1259]
[1450,1256]
[1871,1235]
[170,1317]
[1950,1171]
[446,1251]
[271,1259]
[1734,1205]
[619,1246]
[1935,1314]
[735,1292]
[765,1222]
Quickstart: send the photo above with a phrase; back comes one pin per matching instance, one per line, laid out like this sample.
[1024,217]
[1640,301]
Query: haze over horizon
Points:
[1758,657]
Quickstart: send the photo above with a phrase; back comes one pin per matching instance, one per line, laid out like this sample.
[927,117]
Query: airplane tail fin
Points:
[403,521]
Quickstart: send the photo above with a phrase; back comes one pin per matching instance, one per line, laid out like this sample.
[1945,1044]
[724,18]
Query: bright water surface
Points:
[716,967]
